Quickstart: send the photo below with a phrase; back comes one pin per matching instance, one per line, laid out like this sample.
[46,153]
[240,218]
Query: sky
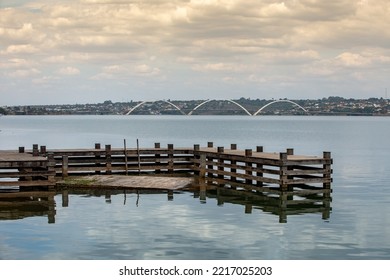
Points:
[89,51]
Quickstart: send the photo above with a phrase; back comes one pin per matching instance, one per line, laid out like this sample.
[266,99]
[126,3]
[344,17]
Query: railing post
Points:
[248,165]
[220,167]
[35,151]
[97,158]
[51,164]
[289,152]
[259,166]
[283,172]
[170,159]
[43,151]
[327,166]
[233,162]
[108,160]
[157,156]
[125,156]
[65,166]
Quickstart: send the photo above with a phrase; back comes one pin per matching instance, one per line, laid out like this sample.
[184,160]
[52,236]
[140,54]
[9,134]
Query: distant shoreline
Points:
[331,106]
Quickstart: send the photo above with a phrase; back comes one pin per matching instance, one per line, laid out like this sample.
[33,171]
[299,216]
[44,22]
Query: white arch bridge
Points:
[215,100]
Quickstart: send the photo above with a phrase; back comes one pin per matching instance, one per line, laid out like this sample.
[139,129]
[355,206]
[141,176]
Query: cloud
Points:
[20,49]
[23,73]
[69,71]
[206,40]
[353,60]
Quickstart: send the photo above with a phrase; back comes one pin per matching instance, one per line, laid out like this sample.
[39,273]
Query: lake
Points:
[149,226]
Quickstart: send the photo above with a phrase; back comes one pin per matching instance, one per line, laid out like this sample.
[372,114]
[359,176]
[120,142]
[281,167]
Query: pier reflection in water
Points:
[19,205]
[277,203]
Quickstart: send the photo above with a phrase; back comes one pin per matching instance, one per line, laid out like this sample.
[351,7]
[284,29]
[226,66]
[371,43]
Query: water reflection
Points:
[279,204]
[19,205]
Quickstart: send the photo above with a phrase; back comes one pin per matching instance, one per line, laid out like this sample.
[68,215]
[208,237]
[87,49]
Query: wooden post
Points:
[170,158]
[210,166]
[108,160]
[282,173]
[202,165]
[65,165]
[43,151]
[196,162]
[138,157]
[327,166]
[51,164]
[233,162]
[290,152]
[97,157]
[220,167]
[248,165]
[259,174]
[157,156]
[125,155]
[35,151]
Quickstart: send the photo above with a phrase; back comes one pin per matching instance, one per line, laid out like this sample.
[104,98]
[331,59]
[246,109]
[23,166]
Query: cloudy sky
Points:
[86,51]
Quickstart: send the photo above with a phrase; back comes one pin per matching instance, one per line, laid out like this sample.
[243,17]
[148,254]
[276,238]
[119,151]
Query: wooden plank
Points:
[27,183]
[244,176]
[24,174]
[237,166]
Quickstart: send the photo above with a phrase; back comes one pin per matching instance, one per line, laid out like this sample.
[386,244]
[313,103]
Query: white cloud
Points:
[353,60]
[24,73]
[69,71]
[21,49]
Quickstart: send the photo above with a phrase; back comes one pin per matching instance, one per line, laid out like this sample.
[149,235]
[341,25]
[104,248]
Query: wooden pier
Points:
[256,170]
[18,168]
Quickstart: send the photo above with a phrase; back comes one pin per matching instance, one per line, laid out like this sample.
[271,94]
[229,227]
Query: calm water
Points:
[150,226]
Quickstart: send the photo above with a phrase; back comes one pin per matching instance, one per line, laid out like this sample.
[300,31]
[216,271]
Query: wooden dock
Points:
[254,169]
[18,168]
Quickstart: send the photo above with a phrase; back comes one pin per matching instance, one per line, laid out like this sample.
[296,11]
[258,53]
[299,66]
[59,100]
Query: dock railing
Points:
[265,171]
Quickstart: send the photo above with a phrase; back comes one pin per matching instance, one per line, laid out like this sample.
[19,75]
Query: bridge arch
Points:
[228,100]
[144,102]
[279,101]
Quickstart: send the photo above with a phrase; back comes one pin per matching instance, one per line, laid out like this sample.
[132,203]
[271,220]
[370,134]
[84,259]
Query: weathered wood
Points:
[285,170]
[65,166]
[108,159]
